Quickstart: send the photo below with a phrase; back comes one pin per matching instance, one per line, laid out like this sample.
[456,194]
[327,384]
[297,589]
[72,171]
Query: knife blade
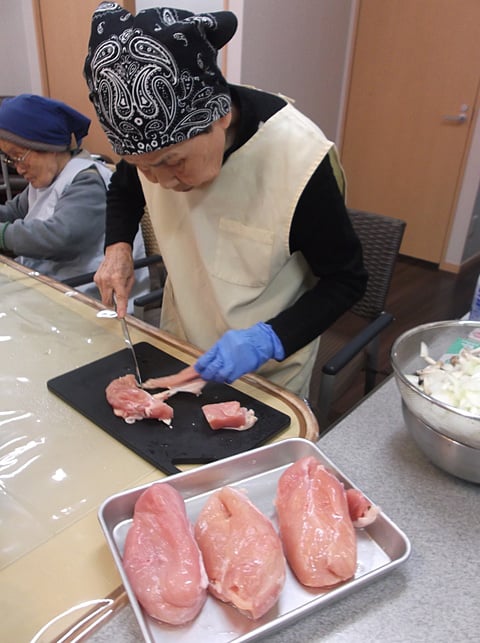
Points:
[129,343]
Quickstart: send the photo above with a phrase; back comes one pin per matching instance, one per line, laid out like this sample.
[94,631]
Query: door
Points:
[409,113]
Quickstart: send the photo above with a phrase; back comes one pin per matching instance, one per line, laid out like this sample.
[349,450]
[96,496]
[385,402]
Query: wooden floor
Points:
[419,293]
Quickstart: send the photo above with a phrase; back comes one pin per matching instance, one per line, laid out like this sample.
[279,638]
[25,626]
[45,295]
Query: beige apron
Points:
[226,246]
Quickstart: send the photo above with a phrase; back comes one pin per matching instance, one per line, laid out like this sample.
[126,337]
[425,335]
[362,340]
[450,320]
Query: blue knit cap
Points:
[40,123]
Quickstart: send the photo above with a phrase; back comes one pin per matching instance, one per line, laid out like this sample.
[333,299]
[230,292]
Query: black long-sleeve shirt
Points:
[320,230]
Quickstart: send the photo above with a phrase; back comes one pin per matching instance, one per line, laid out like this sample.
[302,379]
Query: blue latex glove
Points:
[238,352]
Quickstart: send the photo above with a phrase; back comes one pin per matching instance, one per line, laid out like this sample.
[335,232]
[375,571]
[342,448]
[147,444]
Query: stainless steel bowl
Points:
[454,457]
[448,436]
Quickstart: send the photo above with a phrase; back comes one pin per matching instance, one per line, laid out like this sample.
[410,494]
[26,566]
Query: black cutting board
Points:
[189,439]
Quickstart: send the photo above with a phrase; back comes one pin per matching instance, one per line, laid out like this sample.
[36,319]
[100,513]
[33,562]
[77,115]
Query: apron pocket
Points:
[243,254]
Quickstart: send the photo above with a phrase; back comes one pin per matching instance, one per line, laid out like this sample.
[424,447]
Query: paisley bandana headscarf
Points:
[153,78]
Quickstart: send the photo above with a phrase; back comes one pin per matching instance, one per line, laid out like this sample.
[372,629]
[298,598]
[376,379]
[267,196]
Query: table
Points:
[434,596]
[56,467]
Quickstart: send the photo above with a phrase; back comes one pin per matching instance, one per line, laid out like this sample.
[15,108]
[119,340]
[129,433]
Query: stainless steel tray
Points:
[381,547]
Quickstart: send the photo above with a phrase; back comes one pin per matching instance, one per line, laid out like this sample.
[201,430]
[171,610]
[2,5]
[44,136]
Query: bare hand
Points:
[116,276]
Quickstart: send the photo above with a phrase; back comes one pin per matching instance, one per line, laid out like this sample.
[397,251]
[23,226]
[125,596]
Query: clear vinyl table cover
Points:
[54,464]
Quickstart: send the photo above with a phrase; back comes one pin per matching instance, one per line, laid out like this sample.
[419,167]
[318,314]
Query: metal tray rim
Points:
[289,449]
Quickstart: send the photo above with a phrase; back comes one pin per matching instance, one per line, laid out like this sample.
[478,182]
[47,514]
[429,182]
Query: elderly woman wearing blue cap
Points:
[56,226]
[244,193]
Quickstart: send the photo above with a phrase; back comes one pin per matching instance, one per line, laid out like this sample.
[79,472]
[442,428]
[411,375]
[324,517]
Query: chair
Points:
[351,345]
[11,183]
[5,182]
[157,269]
[153,260]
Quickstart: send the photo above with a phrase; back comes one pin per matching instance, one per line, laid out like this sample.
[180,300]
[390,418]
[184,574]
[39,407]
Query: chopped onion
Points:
[454,381]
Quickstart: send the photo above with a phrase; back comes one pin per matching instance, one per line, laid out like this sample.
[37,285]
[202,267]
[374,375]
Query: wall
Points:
[295,48]
[464,241]
[19,71]
[472,247]
[198,6]
[299,49]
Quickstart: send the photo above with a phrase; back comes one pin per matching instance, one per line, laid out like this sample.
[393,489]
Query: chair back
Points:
[5,180]
[149,238]
[380,237]
[350,346]
[157,270]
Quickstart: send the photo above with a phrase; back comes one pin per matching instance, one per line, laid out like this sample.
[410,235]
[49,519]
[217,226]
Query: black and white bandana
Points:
[153,78]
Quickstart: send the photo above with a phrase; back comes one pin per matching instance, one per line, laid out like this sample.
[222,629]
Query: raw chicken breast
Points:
[229,415]
[315,525]
[242,553]
[185,381]
[133,403]
[161,558]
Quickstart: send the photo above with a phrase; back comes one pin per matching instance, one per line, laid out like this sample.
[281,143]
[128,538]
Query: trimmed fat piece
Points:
[242,553]
[161,558]
[133,403]
[362,512]
[229,415]
[315,525]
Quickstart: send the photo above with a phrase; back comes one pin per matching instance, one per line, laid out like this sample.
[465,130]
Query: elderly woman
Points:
[242,189]
[56,226]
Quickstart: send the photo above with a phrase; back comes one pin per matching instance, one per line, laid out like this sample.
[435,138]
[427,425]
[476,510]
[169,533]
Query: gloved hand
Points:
[238,352]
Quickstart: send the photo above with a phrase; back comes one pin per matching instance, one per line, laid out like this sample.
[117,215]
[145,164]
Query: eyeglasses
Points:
[13,161]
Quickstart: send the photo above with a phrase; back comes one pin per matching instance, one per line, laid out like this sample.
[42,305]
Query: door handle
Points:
[457,118]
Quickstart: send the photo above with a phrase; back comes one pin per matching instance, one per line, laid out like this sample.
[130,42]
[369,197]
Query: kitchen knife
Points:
[128,342]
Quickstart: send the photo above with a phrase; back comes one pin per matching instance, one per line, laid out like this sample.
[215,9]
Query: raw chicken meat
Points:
[133,403]
[162,559]
[315,525]
[242,553]
[361,510]
[185,381]
[229,415]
